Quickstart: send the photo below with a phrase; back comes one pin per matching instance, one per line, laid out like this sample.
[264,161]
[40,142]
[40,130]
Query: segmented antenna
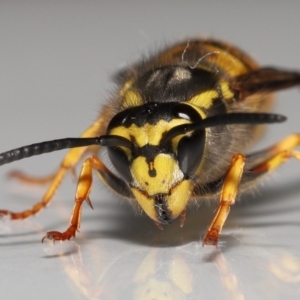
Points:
[55,145]
[224,119]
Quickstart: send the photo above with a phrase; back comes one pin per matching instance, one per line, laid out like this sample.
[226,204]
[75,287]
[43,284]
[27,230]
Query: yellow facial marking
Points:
[147,134]
[167,174]
[146,203]
[176,201]
[169,181]
[179,198]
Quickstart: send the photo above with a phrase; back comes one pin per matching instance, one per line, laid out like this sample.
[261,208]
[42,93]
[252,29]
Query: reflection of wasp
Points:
[176,132]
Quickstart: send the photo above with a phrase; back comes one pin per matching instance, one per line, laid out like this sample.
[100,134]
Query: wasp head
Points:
[157,173]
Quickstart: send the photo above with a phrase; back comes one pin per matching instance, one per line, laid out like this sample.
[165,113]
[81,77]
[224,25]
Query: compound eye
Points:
[120,161]
[189,152]
[190,147]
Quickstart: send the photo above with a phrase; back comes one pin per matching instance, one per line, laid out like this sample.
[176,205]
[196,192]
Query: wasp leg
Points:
[28,179]
[257,165]
[275,161]
[228,195]
[69,162]
[82,194]
[289,143]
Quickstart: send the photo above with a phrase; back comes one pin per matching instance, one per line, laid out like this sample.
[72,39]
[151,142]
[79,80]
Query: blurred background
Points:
[56,63]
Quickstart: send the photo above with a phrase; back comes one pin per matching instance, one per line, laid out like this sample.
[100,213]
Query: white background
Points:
[56,59]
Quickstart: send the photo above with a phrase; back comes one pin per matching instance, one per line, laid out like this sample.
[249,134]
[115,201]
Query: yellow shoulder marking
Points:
[225,90]
[205,99]
[131,98]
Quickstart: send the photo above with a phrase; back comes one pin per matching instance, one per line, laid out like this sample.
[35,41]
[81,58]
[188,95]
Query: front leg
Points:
[82,194]
[227,198]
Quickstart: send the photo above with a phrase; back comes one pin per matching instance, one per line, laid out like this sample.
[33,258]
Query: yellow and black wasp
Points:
[176,131]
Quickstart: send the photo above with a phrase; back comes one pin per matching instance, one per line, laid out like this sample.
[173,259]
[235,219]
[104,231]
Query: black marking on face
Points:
[150,152]
[152,171]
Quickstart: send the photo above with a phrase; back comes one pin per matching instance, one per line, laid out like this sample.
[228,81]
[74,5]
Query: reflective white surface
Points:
[55,63]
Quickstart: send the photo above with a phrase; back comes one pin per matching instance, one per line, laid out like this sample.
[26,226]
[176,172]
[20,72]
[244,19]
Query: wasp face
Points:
[157,182]
[158,174]
[160,187]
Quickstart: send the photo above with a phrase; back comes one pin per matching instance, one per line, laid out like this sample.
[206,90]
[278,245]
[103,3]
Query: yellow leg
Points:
[269,160]
[68,163]
[82,194]
[228,195]
[276,161]
[290,142]
[27,179]
[277,154]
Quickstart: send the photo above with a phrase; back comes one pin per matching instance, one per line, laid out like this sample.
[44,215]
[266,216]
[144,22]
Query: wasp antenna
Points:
[239,118]
[115,141]
[224,119]
[60,144]
[44,147]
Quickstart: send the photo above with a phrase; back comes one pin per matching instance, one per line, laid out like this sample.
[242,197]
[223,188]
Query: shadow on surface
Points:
[252,211]
[122,224]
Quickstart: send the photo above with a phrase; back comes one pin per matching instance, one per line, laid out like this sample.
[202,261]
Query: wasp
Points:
[176,131]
